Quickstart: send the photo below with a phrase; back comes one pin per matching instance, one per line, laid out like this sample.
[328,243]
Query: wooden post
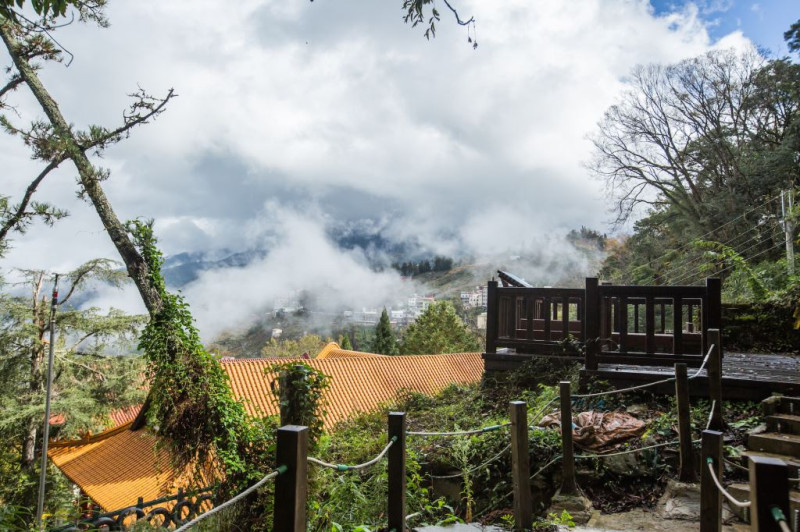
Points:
[291,488]
[677,325]
[492,317]
[622,311]
[591,321]
[687,471]
[710,496]
[397,472]
[520,465]
[714,372]
[769,487]
[568,485]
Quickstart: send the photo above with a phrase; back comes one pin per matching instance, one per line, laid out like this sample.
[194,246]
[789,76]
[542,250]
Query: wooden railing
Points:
[533,320]
[648,325]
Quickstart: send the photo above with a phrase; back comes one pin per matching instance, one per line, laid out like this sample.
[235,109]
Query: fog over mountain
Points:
[312,141]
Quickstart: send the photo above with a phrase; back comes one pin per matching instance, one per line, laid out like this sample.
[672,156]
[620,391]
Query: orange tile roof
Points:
[332,350]
[116,467]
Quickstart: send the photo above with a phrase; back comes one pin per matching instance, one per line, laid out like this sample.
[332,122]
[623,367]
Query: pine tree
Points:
[385,342]
[439,330]
[87,384]
[344,342]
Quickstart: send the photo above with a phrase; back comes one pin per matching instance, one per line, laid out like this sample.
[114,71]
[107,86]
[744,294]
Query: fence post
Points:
[492,317]
[568,485]
[710,496]
[520,465]
[591,320]
[291,488]
[397,472]
[714,372]
[687,471]
[769,488]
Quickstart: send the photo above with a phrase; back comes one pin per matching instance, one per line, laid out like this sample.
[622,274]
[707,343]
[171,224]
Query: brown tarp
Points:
[599,431]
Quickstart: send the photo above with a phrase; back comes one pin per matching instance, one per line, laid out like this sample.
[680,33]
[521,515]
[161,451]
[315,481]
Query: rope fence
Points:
[490,428]
[278,471]
[731,498]
[343,467]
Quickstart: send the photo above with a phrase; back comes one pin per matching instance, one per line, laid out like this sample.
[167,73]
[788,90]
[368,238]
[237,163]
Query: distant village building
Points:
[476,298]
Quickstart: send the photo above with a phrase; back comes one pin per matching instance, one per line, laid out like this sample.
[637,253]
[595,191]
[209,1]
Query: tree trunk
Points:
[89,176]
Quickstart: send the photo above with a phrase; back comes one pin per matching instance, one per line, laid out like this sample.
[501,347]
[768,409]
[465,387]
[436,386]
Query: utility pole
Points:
[46,431]
[787,209]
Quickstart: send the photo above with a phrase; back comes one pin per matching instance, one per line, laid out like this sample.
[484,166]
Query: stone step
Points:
[793,462]
[780,404]
[741,492]
[785,423]
[774,442]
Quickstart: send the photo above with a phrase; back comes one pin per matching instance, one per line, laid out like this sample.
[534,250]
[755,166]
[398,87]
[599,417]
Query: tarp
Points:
[599,431]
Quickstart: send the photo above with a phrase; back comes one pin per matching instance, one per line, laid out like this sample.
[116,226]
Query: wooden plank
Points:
[546,304]
[529,313]
[492,317]
[540,292]
[396,471]
[565,317]
[687,467]
[591,322]
[568,485]
[667,292]
[623,324]
[291,488]
[520,465]
[677,325]
[710,496]
[636,317]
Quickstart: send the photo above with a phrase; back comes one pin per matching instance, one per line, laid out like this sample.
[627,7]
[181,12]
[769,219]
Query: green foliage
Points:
[87,383]
[190,401]
[300,390]
[439,330]
[385,342]
[344,342]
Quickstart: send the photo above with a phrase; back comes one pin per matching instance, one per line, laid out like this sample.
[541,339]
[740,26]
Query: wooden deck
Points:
[751,376]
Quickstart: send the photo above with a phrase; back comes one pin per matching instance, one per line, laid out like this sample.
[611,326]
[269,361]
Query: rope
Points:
[343,467]
[280,470]
[731,499]
[460,432]
[629,451]
[468,471]
[780,518]
[541,410]
[648,385]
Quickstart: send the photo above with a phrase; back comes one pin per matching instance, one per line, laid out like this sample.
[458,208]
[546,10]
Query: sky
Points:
[295,117]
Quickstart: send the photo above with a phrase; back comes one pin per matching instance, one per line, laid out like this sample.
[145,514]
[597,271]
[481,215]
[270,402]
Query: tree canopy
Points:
[439,330]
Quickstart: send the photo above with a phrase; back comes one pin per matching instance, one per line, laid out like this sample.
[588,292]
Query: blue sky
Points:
[762,21]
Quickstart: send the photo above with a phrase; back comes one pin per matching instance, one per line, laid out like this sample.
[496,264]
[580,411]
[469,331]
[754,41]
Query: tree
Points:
[439,330]
[385,342]
[344,342]
[681,137]
[87,383]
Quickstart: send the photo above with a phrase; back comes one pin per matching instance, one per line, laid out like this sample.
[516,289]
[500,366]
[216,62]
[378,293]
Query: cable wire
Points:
[280,470]
[481,466]
[343,467]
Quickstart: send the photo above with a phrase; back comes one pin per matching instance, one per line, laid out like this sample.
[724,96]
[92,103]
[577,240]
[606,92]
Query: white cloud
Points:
[342,104]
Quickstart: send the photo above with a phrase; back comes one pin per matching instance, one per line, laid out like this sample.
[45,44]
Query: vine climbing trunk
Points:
[88,175]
